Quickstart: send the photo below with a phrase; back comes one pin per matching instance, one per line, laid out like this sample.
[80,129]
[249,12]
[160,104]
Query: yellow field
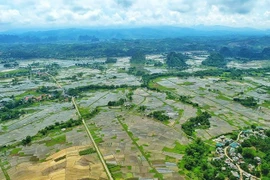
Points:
[66,164]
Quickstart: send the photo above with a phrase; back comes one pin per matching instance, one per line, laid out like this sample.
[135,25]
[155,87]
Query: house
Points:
[239,156]
[258,128]
[258,159]
[235,174]
[219,145]
[235,159]
[247,132]
[234,145]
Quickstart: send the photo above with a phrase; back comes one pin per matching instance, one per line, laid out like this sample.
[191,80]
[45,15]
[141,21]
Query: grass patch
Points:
[115,171]
[222,97]
[187,83]
[4,128]
[93,130]
[178,148]
[57,140]
[266,104]
[27,93]
[87,151]
[15,151]
[154,84]
[114,137]
[170,159]
[129,175]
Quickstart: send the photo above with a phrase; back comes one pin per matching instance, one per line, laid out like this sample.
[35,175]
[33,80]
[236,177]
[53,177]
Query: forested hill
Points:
[94,35]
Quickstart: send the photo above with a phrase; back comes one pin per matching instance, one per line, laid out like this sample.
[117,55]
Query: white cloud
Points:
[89,13]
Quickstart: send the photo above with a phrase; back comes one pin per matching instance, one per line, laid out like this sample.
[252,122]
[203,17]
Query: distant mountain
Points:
[98,34]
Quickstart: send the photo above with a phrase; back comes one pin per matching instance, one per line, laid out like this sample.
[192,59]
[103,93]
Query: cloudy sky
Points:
[121,13]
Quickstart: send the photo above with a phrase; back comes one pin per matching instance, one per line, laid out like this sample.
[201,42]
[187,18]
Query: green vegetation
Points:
[120,102]
[201,121]
[195,155]
[15,151]
[86,114]
[27,140]
[187,83]
[87,151]
[110,60]
[15,73]
[257,146]
[56,140]
[57,127]
[138,58]
[159,115]
[129,96]
[248,101]
[176,60]
[178,148]
[4,170]
[115,171]
[196,162]
[182,98]
[78,90]
[142,108]
[216,60]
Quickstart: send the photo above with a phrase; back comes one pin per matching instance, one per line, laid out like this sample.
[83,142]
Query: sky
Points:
[133,13]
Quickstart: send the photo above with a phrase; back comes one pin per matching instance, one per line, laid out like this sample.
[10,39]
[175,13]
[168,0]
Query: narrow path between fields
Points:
[4,171]
[88,133]
[93,141]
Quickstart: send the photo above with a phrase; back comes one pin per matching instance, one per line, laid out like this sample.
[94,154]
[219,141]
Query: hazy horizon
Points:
[58,14]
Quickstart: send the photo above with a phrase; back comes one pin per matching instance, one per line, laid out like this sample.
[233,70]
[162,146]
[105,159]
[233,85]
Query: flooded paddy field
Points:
[133,142]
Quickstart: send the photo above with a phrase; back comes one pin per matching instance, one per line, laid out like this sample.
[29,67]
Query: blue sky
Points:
[121,13]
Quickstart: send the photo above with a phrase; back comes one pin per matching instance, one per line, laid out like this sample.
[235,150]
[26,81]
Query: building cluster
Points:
[233,158]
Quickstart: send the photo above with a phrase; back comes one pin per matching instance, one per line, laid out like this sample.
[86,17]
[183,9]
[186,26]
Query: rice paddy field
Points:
[133,143]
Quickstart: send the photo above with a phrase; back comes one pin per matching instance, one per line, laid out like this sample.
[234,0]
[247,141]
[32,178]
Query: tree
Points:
[27,140]
[265,168]
[248,153]
[142,108]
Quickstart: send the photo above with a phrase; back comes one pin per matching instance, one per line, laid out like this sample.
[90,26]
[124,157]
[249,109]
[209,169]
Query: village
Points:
[227,150]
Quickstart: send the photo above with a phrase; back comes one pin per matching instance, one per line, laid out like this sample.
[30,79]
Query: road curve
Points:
[241,171]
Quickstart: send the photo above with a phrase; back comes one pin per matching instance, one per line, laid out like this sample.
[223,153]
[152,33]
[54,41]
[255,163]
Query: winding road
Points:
[241,171]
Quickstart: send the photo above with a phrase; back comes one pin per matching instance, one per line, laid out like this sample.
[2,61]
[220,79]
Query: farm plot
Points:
[40,149]
[65,164]
[121,154]
[31,124]
[101,98]
[177,111]
[122,63]
[248,65]
[152,137]
[218,102]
